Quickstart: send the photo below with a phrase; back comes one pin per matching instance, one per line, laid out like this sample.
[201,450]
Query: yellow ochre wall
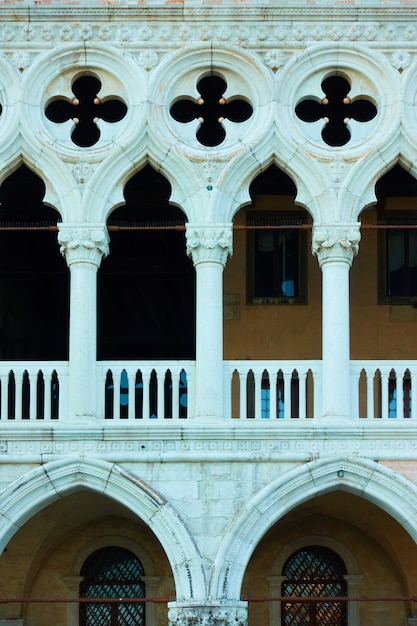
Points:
[293,331]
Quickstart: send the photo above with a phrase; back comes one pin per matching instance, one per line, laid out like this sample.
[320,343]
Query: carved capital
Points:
[83,244]
[336,243]
[207,616]
[209,243]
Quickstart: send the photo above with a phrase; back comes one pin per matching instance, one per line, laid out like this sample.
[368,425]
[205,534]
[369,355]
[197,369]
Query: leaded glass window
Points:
[313,572]
[112,572]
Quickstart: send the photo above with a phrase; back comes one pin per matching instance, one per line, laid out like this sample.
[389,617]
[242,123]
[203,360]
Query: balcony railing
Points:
[154,390]
[33,391]
[272,389]
[164,390]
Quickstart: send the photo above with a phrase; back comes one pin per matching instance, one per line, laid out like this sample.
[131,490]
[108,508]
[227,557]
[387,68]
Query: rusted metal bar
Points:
[285,599]
[182,227]
[85,600]
[303,600]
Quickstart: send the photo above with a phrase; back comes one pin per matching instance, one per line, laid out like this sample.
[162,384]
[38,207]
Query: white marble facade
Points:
[149,55]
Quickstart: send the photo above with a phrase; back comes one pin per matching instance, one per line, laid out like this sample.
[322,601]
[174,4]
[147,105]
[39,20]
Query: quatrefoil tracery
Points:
[336,109]
[211,109]
[85,109]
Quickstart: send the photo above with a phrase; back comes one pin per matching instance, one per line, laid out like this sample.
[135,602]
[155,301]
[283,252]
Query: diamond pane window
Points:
[314,572]
[112,572]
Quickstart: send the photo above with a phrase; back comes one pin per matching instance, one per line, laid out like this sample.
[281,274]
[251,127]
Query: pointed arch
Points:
[367,479]
[50,482]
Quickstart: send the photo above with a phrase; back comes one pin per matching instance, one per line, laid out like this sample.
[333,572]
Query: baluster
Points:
[146,380]
[131,412]
[384,396]
[354,394]
[116,395]
[243,398]
[4,396]
[160,381]
[63,397]
[47,395]
[18,379]
[257,382]
[317,384]
[287,394]
[175,391]
[413,407]
[302,399]
[33,379]
[370,395]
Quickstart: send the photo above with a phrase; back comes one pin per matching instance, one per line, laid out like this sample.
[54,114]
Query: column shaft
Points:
[335,248]
[209,248]
[83,248]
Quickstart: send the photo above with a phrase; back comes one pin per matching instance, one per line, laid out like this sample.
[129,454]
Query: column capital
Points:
[88,243]
[336,242]
[208,615]
[208,242]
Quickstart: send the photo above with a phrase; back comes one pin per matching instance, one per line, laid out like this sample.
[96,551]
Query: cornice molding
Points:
[210,13]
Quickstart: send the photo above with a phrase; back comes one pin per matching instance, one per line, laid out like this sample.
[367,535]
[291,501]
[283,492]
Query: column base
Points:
[210,614]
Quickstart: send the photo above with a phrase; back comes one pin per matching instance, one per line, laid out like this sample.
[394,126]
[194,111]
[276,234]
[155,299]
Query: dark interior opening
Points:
[34,278]
[396,182]
[146,286]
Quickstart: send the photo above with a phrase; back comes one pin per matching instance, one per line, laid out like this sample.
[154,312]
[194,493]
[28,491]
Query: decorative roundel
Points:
[84,101]
[337,100]
[336,109]
[212,100]
[85,110]
[211,109]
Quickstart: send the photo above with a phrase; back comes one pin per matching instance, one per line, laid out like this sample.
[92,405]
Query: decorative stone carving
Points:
[148,59]
[82,172]
[79,243]
[337,243]
[274,59]
[209,243]
[207,616]
[400,59]
[21,59]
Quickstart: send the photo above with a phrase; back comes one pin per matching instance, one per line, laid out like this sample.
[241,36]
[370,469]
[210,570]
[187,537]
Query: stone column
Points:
[83,247]
[72,584]
[209,247]
[353,582]
[151,584]
[335,247]
[224,614]
[275,590]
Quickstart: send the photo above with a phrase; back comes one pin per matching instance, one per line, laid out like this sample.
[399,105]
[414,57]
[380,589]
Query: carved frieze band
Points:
[209,243]
[83,244]
[336,243]
[207,616]
[150,40]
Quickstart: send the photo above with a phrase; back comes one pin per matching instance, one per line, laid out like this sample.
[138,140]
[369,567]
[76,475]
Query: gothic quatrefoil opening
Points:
[211,109]
[85,109]
[336,110]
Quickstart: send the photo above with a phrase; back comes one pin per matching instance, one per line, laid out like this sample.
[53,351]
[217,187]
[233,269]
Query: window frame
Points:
[294,218]
[391,218]
[313,608]
[118,583]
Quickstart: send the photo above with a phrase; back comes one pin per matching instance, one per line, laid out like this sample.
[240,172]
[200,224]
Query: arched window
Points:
[112,572]
[314,571]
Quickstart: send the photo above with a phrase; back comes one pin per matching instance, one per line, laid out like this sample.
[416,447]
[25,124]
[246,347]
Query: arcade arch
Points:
[34,279]
[378,553]
[52,482]
[370,481]
[280,283]
[146,286]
